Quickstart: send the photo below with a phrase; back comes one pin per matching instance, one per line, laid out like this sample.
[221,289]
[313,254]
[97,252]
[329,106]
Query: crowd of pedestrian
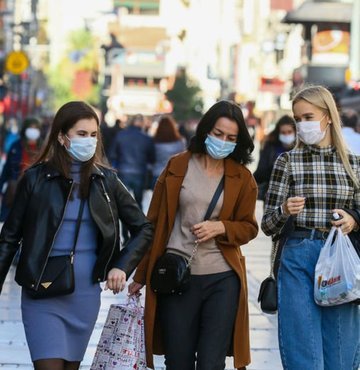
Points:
[138,165]
[21,151]
[70,202]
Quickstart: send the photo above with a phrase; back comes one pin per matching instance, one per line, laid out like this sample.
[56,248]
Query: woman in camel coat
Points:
[211,322]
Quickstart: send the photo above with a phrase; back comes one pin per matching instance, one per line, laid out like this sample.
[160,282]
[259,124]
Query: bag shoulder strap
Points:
[78,223]
[215,198]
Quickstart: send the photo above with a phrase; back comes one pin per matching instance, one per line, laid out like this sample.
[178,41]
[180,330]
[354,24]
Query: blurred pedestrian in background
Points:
[350,121]
[131,152]
[318,177]
[109,134]
[281,139]
[11,134]
[21,155]
[70,199]
[210,320]
[253,122]
[168,142]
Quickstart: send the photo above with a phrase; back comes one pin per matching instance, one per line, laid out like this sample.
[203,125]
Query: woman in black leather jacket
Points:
[70,173]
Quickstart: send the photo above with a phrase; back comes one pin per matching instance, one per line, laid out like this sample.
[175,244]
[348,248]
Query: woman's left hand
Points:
[347,222]
[116,280]
[206,230]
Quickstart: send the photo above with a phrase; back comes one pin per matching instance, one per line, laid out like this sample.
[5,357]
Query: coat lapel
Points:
[232,188]
[174,180]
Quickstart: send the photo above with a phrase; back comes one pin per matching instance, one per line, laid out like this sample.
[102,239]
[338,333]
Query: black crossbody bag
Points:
[58,277]
[268,289]
[172,272]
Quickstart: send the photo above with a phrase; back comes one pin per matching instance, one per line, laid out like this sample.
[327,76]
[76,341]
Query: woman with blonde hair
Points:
[311,182]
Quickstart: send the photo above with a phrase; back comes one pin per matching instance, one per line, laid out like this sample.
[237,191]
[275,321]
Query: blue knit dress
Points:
[61,327]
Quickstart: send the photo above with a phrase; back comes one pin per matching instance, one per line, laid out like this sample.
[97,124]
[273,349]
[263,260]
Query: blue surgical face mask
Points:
[217,148]
[287,139]
[82,148]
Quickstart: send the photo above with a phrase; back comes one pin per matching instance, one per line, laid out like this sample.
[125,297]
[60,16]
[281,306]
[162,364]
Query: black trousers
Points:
[197,326]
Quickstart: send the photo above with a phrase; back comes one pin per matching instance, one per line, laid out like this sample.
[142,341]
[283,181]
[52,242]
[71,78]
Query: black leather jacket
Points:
[37,214]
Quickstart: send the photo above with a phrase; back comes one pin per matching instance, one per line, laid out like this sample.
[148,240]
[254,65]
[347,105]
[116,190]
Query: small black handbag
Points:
[171,273]
[268,295]
[58,277]
[268,289]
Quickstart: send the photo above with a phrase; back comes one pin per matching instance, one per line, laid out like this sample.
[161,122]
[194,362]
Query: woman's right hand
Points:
[134,288]
[294,205]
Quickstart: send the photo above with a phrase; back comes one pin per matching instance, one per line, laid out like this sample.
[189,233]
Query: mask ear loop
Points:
[68,140]
[328,123]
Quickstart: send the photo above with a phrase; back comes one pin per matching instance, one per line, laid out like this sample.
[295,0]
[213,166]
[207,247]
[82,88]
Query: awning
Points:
[320,12]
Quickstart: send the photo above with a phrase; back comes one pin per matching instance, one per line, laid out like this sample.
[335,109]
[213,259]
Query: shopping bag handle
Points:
[134,300]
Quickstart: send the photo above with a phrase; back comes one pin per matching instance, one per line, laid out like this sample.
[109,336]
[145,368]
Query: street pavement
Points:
[263,328]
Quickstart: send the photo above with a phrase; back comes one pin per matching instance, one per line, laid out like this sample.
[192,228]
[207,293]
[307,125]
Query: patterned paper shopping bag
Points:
[122,345]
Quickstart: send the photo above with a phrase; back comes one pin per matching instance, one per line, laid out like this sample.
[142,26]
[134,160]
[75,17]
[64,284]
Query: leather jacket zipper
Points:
[113,219]
[52,244]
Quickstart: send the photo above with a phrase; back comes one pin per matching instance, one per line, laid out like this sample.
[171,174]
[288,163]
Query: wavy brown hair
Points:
[228,109]
[57,156]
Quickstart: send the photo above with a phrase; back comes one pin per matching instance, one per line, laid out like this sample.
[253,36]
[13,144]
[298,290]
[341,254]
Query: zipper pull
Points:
[105,193]
[72,258]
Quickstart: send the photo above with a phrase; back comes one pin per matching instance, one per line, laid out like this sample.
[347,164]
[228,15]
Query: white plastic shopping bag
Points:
[337,272]
[122,343]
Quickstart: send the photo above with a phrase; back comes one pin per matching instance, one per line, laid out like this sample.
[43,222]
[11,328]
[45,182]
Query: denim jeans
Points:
[135,183]
[312,337]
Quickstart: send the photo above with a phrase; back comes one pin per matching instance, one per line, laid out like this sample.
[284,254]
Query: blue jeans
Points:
[136,183]
[312,337]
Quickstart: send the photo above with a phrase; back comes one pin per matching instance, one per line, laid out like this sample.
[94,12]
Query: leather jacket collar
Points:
[51,172]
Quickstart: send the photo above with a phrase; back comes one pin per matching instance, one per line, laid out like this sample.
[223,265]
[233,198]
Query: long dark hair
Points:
[167,131]
[230,110]
[28,122]
[273,136]
[57,156]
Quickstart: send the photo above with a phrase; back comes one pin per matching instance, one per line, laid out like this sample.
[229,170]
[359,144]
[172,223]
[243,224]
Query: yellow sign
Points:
[16,62]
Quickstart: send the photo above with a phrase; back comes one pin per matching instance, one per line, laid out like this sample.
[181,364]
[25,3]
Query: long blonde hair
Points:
[321,98]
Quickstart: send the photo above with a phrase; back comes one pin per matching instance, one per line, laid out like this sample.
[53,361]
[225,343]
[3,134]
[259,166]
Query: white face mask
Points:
[309,132]
[32,133]
[14,130]
[287,139]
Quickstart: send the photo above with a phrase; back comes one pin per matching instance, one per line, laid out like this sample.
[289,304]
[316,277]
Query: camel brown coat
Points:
[238,216]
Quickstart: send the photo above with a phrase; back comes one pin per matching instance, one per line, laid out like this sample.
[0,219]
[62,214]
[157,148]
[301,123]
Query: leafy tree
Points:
[185,97]
[82,55]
